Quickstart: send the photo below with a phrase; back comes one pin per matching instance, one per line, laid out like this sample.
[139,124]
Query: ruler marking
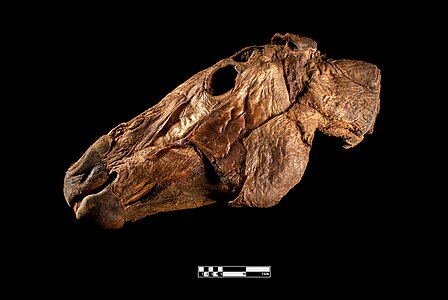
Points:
[234,271]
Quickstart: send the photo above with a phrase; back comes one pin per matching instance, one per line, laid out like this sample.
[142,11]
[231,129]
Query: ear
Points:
[295,42]
[347,94]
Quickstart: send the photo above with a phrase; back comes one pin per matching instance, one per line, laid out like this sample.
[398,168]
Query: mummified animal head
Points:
[248,143]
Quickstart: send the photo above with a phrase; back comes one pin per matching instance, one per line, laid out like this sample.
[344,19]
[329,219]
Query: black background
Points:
[85,69]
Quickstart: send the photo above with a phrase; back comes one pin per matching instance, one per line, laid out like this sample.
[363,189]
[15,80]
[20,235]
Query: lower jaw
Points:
[104,208]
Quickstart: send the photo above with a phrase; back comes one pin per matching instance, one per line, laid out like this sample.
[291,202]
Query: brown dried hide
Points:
[248,143]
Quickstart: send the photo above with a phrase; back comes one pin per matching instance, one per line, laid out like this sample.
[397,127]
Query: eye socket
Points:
[222,81]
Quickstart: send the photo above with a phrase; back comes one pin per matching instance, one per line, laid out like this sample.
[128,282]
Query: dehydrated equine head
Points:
[247,142]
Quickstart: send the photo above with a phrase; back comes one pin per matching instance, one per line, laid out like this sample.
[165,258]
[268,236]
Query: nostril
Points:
[93,188]
[94,173]
[86,174]
[92,157]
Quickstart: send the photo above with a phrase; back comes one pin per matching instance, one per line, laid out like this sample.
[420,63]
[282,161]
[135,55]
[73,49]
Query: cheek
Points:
[133,175]
[148,174]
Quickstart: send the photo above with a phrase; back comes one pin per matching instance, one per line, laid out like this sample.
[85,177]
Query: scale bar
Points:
[234,271]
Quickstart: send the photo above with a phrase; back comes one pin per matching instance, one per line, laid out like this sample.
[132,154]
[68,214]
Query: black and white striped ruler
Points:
[234,271]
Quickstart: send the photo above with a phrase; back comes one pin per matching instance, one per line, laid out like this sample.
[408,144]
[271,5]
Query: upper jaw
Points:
[89,174]
[78,186]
